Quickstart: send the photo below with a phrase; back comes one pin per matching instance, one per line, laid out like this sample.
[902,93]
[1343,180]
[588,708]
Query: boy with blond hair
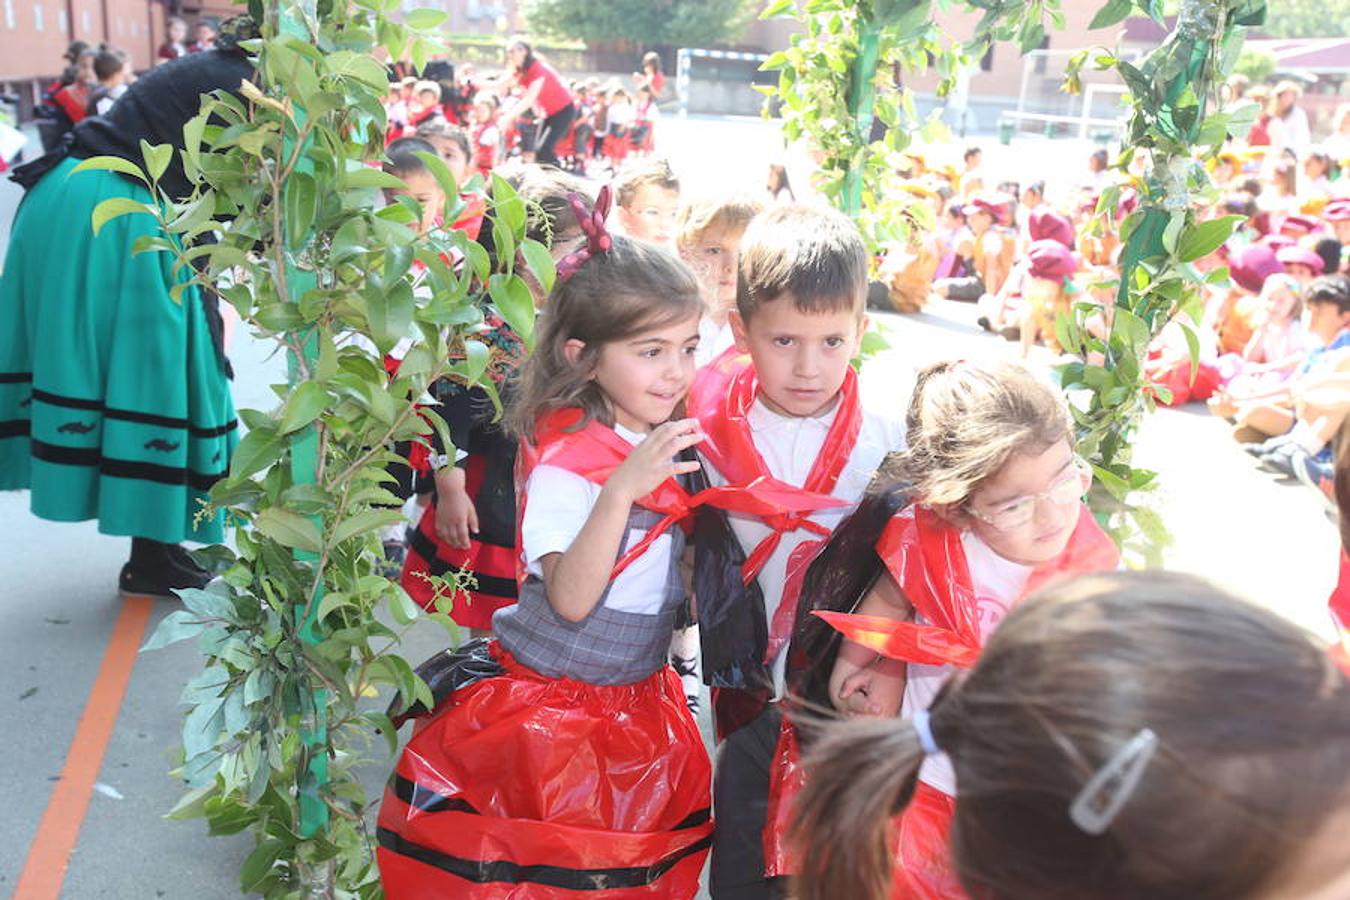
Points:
[708,236]
[647,195]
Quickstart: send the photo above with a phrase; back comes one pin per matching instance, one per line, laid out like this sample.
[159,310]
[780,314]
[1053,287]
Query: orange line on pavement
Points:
[45,869]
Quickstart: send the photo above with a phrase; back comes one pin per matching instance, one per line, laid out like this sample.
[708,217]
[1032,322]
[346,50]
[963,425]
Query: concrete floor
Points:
[1272,542]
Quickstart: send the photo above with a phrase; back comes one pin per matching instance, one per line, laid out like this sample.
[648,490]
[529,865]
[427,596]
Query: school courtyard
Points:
[94,807]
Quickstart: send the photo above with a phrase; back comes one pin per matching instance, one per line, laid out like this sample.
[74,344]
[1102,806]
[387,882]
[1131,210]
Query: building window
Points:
[38,24]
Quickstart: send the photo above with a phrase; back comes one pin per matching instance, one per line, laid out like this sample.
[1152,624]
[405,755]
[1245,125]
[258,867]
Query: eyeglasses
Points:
[1016,513]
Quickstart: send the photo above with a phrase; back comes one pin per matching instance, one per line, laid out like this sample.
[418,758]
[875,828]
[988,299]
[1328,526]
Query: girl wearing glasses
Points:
[983,507]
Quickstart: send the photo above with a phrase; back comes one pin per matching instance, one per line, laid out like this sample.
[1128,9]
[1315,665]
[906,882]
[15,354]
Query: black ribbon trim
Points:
[425,547]
[12,428]
[15,377]
[425,799]
[127,415]
[490,871]
[123,468]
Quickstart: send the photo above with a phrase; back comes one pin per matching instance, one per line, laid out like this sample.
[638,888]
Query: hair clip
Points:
[923,724]
[592,223]
[1111,786]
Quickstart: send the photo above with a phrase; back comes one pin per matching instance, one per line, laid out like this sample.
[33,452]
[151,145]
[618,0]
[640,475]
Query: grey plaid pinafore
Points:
[607,647]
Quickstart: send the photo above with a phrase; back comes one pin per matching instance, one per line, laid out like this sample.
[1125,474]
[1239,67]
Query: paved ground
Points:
[1233,524]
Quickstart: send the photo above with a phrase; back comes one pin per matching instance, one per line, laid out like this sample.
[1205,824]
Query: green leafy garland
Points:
[294,634]
[827,93]
[1170,90]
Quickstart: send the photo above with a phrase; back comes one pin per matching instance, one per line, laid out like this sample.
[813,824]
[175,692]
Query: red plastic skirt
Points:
[523,786]
[492,566]
[922,869]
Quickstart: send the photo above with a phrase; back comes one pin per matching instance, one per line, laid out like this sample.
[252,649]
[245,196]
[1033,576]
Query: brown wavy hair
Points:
[634,287]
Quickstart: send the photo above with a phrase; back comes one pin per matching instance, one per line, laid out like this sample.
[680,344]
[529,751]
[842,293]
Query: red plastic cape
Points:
[720,398]
[923,552]
[1340,616]
[595,451]
[522,786]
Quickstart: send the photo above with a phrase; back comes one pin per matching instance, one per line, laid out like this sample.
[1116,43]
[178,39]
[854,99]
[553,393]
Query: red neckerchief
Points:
[923,553]
[595,450]
[1340,616]
[721,397]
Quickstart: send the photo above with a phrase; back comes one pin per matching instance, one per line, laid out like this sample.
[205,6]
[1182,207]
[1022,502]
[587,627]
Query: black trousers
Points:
[740,808]
[552,130]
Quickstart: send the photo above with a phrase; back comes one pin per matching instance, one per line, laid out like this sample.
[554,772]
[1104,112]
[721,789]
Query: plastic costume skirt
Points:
[522,786]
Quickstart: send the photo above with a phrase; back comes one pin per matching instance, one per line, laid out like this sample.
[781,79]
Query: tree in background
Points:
[688,23]
[1307,19]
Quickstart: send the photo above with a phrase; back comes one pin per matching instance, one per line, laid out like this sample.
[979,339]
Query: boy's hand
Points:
[653,460]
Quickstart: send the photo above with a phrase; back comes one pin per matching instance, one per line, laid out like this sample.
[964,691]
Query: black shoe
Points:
[182,559]
[159,581]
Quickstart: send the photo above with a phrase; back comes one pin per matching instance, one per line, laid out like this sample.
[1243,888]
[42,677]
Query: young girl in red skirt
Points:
[469,524]
[565,763]
[983,507]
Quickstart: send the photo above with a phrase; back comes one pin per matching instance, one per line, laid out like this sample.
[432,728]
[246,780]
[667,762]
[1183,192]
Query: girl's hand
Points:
[865,683]
[456,517]
[653,460]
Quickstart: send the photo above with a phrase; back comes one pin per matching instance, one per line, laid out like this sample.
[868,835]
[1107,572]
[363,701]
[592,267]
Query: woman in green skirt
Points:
[114,397]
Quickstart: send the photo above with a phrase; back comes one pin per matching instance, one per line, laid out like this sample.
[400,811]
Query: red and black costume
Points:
[579,774]
[924,554]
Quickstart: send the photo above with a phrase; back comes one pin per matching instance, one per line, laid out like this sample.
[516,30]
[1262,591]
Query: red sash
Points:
[1340,616]
[594,451]
[924,554]
[721,397]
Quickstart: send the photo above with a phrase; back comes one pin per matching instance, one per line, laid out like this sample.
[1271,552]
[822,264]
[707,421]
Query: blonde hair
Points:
[966,420]
[699,217]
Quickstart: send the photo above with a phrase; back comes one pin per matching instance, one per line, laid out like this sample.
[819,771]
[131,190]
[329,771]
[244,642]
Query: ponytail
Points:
[841,826]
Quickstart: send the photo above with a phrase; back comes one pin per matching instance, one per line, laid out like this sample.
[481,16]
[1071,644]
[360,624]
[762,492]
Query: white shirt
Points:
[998,583]
[558,504]
[789,446]
[713,341]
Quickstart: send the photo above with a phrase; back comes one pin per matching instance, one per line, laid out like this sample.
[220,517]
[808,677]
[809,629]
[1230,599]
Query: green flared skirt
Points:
[114,403]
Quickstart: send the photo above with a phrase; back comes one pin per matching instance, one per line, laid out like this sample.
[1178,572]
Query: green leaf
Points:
[111,164]
[778,8]
[401,606]
[176,626]
[259,864]
[301,206]
[157,158]
[113,207]
[1205,237]
[260,448]
[441,172]
[305,404]
[540,263]
[513,301]
[289,529]
[191,805]
[366,177]
[367,520]
[1114,11]
[425,19]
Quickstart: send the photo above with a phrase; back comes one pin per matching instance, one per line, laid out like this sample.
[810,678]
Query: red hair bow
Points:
[592,224]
